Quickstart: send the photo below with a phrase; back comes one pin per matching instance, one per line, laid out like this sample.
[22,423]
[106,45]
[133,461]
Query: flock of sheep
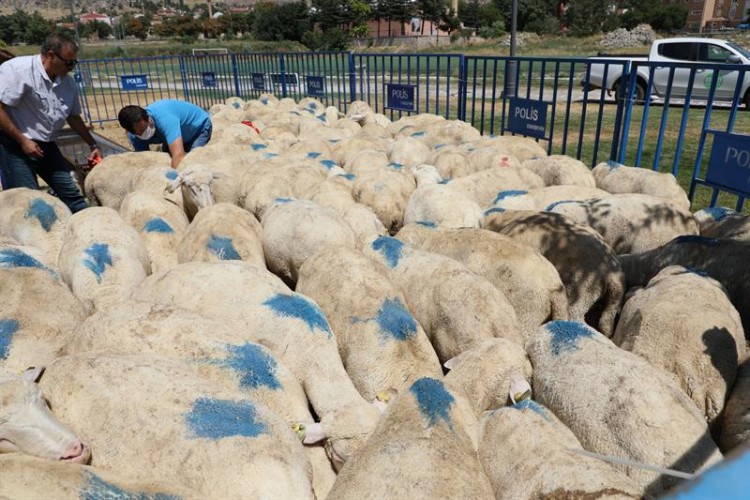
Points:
[320,305]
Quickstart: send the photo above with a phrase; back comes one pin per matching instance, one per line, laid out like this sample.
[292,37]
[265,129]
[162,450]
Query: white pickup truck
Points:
[676,50]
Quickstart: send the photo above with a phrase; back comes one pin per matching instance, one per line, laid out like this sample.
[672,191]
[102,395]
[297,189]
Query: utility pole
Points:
[510,77]
[75,25]
[210,11]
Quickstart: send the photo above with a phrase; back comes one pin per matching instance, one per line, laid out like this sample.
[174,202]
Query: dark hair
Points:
[130,115]
[56,41]
[5,55]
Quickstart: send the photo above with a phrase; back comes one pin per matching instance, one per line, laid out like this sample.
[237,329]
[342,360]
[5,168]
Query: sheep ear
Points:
[383,398]
[174,184]
[453,362]
[310,433]
[32,374]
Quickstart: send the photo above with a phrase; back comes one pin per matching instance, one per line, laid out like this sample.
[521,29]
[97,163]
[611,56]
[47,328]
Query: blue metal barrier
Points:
[631,125]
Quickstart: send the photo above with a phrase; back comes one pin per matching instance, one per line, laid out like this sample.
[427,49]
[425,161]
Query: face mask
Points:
[149,132]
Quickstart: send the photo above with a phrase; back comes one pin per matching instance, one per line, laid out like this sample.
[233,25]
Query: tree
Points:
[431,10]
[586,17]
[36,29]
[469,14]
[532,14]
[660,17]
[449,21]
[101,29]
[288,21]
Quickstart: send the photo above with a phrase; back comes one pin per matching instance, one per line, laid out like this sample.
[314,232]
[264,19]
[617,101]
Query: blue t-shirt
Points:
[173,119]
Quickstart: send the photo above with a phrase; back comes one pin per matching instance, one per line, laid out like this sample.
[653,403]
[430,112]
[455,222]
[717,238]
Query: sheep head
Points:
[426,174]
[195,181]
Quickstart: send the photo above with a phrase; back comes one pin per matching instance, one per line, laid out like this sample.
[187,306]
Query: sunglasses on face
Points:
[70,63]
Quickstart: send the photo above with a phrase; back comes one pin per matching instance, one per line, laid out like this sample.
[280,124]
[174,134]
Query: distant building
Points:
[95,16]
[713,14]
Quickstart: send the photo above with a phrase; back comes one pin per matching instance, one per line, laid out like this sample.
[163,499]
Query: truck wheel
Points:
[621,88]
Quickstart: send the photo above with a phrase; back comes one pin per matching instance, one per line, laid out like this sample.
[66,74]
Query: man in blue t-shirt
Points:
[177,125]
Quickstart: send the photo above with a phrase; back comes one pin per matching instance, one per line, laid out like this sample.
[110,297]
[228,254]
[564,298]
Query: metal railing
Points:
[656,126]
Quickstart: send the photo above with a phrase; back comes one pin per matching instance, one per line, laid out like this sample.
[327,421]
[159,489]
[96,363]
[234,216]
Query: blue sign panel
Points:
[316,86]
[259,81]
[401,97]
[528,117]
[729,165]
[134,82]
[209,79]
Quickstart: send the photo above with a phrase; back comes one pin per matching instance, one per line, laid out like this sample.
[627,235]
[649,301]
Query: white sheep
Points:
[289,325]
[525,450]
[102,257]
[735,430]
[485,373]
[424,447]
[559,170]
[545,198]
[456,307]
[684,324]
[28,426]
[381,345]
[38,313]
[28,477]
[160,223]
[484,185]
[222,232]
[588,267]
[219,348]
[720,222]
[631,223]
[162,421]
[111,180]
[408,152]
[36,219]
[617,404]
[295,230]
[436,203]
[724,260]
[523,148]
[529,281]
[618,178]
[451,161]
[195,181]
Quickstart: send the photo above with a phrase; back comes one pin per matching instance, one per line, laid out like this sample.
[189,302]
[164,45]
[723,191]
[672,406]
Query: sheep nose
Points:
[77,452]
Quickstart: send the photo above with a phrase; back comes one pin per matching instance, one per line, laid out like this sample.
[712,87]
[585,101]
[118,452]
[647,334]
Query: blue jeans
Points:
[201,139]
[20,170]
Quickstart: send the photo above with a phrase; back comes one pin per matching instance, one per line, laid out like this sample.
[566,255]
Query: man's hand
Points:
[31,148]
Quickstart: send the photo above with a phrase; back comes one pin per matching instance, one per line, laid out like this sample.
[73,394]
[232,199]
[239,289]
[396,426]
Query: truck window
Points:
[713,53]
[680,51]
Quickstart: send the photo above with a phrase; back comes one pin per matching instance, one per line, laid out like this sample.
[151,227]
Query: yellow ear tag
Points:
[299,430]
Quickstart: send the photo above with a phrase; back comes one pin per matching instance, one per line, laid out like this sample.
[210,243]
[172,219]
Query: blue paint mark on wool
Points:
[552,205]
[433,399]
[427,223]
[334,141]
[395,320]
[256,366]
[328,163]
[298,307]
[613,164]
[694,270]
[43,212]
[494,210]
[12,257]
[264,100]
[390,248]
[566,335]
[312,105]
[445,181]
[157,225]
[8,327]
[268,156]
[257,146]
[396,166]
[283,200]
[313,154]
[216,419]
[350,177]
[236,105]
[322,118]
[509,193]
[417,134]
[528,404]
[718,213]
[223,248]
[97,259]
[695,240]
[95,488]
[171,174]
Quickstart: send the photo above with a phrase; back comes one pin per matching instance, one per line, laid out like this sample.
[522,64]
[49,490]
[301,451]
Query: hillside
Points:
[54,9]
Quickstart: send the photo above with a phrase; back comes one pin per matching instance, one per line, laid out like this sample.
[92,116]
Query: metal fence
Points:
[642,125]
